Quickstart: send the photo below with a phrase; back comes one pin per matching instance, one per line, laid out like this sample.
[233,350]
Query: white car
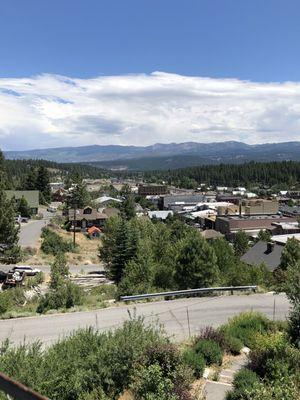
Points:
[28,270]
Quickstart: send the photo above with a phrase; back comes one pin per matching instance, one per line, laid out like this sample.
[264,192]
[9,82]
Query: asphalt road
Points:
[31,232]
[212,311]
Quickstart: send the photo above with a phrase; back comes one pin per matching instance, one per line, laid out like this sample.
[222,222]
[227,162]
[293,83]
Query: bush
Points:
[244,381]
[245,326]
[151,384]
[194,361]
[233,345]
[53,243]
[5,302]
[66,295]
[212,334]
[210,350]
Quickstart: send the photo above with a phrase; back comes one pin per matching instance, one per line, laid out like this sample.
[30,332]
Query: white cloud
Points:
[52,110]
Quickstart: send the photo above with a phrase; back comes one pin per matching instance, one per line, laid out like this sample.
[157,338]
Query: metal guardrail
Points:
[17,390]
[188,292]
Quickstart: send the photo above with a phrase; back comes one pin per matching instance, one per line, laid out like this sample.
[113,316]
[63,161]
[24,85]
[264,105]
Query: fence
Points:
[188,292]
[18,391]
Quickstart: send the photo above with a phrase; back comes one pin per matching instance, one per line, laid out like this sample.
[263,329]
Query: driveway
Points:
[30,232]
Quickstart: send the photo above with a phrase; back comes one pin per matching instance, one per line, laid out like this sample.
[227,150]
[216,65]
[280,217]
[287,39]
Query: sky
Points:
[82,72]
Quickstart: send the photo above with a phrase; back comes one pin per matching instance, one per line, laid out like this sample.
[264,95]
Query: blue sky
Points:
[75,72]
[246,39]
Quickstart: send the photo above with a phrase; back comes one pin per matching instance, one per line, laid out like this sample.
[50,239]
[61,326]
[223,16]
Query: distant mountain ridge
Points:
[169,155]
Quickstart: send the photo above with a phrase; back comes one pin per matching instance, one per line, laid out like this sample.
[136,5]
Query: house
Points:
[109,211]
[86,218]
[31,196]
[60,195]
[263,252]
[104,200]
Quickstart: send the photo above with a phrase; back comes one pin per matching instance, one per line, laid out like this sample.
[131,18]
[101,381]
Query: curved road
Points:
[172,314]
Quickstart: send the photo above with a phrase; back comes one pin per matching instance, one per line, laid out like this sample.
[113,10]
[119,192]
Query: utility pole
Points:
[74,226]
[188,321]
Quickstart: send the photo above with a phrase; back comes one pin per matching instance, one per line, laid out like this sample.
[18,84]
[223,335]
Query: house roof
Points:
[262,252]
[80,215]
[31,196]
[105,199]
[159,214]
[93,229]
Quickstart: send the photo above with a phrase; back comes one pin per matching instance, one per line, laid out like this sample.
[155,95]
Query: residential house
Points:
[263,252]
[86,218]
[31,196]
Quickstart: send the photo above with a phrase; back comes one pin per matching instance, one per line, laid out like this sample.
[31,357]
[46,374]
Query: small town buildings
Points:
[152,190]
[60,195]
[177,202]
[260,206]
[104,200]
[251,224]
[211,234]
[31,196]
[86,218]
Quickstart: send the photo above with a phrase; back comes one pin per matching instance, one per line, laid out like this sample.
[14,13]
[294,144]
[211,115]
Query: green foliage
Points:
[196,264]
[151,384]
[194,361]
[5,302]
[245,326]
[22,208]
[128,207]
[233,345]
[59,271]
[240,243]
[244,381]
[83,365]
[210,351]
[42,184]
[8,231]
[53,243]
[80,197]
[264,235]
[290,255]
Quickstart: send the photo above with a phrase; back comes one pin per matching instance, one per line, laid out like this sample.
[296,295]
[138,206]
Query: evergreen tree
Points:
[264,235]
[128,207]
[290,255]
[196,263]
[226,260]
[119,246]
[59,271]
[8,231]
[43,184]
[22,208]
[31,179]
[80,197]
[241,243]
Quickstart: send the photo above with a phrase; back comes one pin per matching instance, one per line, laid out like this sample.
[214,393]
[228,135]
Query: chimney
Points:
[270,247]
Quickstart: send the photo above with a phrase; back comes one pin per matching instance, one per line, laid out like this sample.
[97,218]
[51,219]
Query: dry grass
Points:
[86,253]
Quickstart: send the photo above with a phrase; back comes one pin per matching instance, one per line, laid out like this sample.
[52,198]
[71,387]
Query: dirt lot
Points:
[85,253]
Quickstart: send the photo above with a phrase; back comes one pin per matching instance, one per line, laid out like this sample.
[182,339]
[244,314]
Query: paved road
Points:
[173,314]
[31,232]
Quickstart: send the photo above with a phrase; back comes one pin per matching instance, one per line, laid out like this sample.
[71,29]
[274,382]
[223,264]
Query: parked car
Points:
[52,209]
[26,269]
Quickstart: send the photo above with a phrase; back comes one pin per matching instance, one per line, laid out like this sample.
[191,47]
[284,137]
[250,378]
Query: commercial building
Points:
[260,206]
[252,224]
[152,190]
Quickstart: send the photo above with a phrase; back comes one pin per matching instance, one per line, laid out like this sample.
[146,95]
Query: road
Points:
[212,311]
[31,232]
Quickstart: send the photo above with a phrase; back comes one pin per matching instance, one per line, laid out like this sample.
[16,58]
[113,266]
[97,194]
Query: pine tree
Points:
[264,235]
[22,208]
[196,264]
[43,184]
[241,243]
[8,231]
[31,179]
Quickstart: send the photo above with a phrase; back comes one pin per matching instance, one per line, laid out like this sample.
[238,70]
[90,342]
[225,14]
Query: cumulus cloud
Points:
[51,110]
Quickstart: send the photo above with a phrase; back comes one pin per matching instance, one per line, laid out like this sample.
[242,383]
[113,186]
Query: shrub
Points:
[165,355]
[210,350]
[233,345]
[212,334]
[245,326]
[5,302]
[151,384]
[244,381]
[194,361]
[66,295]
[53,243]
